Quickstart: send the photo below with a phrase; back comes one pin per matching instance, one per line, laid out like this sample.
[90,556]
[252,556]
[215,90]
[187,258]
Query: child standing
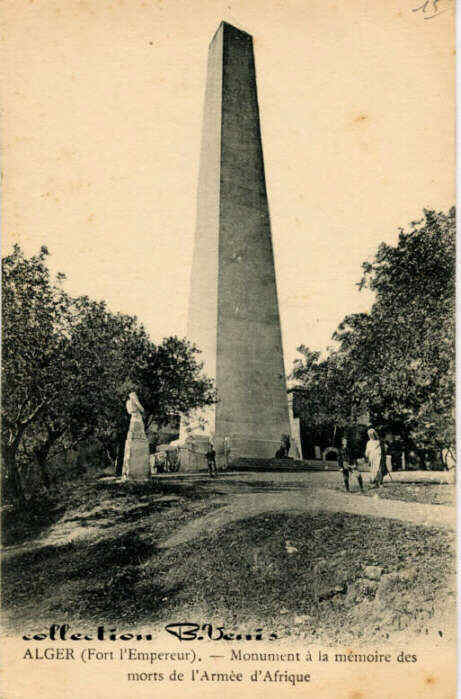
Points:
[211,459]
[348,464]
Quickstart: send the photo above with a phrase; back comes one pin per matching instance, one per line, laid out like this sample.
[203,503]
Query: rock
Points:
[388,588]
[353,593]
[321,564]
[361,589]
[395,593]
[369,587]
[330,593]
[408,574]
[364,610]
[302,619]
[388,580]
[289,548]
[373,572]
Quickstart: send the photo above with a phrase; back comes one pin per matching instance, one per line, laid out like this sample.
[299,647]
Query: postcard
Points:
[228,349]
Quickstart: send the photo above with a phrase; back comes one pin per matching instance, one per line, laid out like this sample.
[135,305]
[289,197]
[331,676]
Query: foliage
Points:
[326,392]
[398,360]
[68,366]
[170,380]
[33,346]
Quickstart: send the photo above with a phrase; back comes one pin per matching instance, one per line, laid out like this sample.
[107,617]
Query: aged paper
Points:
[103,114]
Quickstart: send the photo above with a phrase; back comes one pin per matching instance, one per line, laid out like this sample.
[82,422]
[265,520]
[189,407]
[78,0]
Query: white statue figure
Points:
[134,407]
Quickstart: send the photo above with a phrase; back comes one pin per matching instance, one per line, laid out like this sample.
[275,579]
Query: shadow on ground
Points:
[20,525]
[83,503]
[103,580]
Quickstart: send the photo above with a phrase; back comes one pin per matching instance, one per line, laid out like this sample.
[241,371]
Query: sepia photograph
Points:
[228,348]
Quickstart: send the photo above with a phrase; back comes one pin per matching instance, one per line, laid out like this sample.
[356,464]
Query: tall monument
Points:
[233,313]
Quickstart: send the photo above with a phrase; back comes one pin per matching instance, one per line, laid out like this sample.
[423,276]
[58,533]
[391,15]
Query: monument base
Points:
[193,450]
[193,453]
[136,465]
[242,446]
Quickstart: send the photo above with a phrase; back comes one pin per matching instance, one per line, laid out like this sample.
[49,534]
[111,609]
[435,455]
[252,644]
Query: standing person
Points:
[211,459]
[374,454]
[286,443]
[449,462]
[281,451]
[448,458]
[347,461]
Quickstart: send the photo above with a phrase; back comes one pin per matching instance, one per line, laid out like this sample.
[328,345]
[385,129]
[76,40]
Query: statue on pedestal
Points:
[136,460]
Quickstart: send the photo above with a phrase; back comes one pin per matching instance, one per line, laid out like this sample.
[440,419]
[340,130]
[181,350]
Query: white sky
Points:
[101,138]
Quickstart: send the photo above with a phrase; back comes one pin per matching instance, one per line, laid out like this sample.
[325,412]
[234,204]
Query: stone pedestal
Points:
[136,460]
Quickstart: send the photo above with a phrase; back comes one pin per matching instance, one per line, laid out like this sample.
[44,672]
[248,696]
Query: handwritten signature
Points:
[430,8]
[187,631]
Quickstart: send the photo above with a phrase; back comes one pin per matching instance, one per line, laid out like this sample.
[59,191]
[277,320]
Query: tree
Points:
[397,361]
[171,380]
[413,340]
[100,349]
[68,365]
[324,398]
[33,312]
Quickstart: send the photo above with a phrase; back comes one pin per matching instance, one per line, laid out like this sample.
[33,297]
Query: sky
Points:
[101,135]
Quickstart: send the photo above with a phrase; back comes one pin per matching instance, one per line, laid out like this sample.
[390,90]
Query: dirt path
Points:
[242,506]
[238,496]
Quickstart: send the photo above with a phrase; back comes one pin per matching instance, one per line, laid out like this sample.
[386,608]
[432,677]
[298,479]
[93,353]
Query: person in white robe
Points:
[373,454]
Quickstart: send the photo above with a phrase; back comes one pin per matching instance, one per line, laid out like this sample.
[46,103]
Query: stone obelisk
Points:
[233,312]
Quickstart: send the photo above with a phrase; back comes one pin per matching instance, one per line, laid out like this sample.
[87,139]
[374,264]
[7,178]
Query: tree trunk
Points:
[109,456]
[41,462]
[120,455]
[41,455]
[14,479]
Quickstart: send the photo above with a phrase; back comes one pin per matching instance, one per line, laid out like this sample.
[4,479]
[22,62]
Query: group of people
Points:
[348,458]
[375,455]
